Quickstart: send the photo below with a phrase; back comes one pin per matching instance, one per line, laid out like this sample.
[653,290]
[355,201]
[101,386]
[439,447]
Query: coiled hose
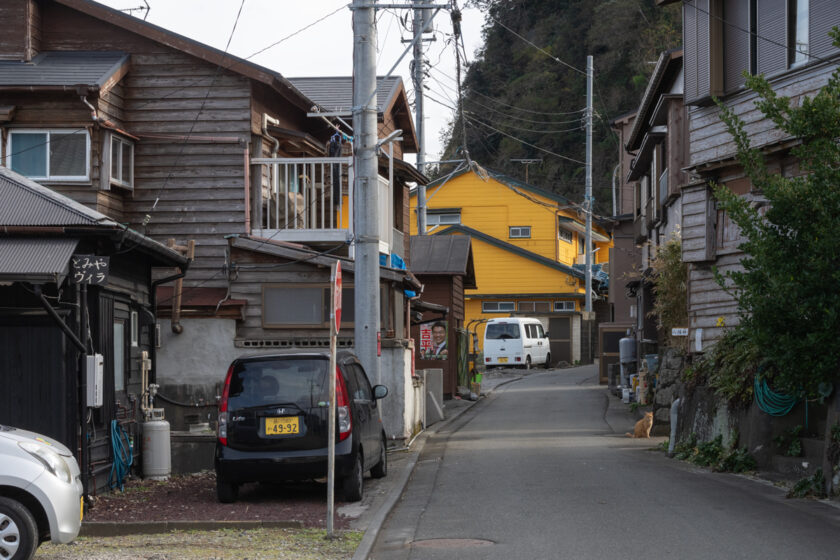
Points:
[771,402]
[123,456]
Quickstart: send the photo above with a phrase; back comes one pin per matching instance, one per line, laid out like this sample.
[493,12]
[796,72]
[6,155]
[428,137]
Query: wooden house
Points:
[788,42]
[655,141]
[528,246]
[211,153]
[74,283]
[444,265]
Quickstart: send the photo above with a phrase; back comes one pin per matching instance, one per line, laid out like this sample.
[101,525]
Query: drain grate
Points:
[452,543]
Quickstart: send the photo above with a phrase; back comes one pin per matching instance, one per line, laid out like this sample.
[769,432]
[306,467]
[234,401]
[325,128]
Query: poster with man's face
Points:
[433,341]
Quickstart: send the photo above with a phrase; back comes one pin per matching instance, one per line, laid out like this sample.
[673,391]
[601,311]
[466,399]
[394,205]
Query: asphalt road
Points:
[542,469]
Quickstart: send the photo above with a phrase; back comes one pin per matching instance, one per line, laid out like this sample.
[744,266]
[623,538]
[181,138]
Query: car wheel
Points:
[18,531]
[227,492]
[548,361]
[380,469]
[353,486]
[527,362]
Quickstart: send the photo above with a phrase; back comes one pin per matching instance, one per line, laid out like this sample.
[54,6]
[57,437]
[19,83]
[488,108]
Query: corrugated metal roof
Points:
[440,254]
[34,259]
[68,68]
[335,94]
[27,203]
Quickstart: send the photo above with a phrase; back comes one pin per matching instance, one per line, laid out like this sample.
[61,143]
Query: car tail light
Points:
[486,359]
[221,431]
[345,419]
[519,358]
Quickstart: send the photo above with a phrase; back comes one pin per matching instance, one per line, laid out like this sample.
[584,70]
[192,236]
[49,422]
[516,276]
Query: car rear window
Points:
[497,331]
[298,381]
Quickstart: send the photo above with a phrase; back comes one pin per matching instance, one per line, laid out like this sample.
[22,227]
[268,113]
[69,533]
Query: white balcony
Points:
[304,200]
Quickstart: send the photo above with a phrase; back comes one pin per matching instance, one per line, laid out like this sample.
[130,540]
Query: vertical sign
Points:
[335,323]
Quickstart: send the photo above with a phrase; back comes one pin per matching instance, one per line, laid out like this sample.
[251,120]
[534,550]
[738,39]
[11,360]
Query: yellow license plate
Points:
[502,360]
[282,426]
[81,508]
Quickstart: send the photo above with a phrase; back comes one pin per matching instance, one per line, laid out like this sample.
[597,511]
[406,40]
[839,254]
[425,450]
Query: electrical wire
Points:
[527,143]
[542,50]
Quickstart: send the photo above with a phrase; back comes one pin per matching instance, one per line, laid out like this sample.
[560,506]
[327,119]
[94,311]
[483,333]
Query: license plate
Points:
[502,360]
[282,426]
[81,508]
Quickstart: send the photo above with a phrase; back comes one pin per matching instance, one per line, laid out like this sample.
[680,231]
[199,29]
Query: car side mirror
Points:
[380,392]
[546,334]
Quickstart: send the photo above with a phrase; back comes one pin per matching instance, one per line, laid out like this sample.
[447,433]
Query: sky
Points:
[317,40]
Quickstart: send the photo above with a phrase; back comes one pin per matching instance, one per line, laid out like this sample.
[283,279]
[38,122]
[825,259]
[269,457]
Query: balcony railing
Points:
[305,199]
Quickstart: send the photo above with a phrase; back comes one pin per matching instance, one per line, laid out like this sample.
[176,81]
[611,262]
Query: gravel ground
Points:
[193,498]
[225,544]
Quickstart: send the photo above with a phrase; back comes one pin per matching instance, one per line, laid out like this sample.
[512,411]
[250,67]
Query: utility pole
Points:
[366,189]
[588,202]
[417,28]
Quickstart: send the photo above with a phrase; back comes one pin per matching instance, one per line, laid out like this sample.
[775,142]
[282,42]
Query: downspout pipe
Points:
[153,298]
[675,407]
[614,191]
[275,168]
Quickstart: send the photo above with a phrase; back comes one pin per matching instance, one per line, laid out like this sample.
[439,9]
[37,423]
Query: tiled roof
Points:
[335,94]
[63,69]
[35,259]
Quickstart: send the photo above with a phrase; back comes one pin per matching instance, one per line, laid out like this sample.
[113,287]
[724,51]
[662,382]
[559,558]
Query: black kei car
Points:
[273,423]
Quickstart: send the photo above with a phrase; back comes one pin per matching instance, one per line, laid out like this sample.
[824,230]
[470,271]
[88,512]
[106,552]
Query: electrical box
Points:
[95,372]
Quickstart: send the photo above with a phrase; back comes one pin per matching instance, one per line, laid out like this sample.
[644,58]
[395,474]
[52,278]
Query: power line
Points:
[542,50]
[527,143]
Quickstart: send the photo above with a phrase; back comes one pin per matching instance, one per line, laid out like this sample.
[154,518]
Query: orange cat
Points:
[643,426]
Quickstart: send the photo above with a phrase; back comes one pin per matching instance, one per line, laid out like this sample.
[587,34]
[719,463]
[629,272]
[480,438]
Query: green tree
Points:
[788,292]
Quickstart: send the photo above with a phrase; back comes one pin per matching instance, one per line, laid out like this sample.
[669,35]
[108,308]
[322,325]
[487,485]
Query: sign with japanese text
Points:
[336,303]
[90,269]
[433,341]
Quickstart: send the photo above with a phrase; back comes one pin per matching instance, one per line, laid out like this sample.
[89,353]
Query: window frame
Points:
[564,307]
[436,221]
[563,233]
[326,301]
[11,132]
[498,304]
[792,9]
[109,164]
[521,231]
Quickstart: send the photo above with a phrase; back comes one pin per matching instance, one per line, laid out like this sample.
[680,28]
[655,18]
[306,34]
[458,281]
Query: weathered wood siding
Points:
[196,187]
[697,223]
[709,307]
[19,42]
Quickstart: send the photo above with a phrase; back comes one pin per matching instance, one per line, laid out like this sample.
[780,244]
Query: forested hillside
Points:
[520,103]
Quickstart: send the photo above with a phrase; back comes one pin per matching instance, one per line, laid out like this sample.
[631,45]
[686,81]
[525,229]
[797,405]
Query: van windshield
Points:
[499,331]
[298,381]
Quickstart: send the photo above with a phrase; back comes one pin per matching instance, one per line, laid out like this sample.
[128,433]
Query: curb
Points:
[375,526]
[111,529]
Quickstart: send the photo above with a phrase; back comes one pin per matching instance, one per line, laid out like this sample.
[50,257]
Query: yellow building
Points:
[528,248]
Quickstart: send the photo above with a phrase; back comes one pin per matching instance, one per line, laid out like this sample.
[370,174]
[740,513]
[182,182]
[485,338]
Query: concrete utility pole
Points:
[366,219]
[588,202]
[417,28]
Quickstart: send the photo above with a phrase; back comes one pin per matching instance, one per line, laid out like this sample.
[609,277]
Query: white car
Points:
[40,493]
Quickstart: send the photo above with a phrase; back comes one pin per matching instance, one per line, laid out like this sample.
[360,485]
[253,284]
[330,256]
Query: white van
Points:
[516,342]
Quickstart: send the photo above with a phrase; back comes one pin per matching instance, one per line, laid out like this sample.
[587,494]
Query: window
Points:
[304,305]
[59,155]
[581,244]
[564,235]
[520,232]
[443,218]
[797,32]
[534,306]
[135,329]
[122,162]
[497,306]
[119,356]
[564,306]
[502,331]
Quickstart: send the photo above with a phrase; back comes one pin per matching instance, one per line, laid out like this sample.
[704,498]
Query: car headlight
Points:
[49,458]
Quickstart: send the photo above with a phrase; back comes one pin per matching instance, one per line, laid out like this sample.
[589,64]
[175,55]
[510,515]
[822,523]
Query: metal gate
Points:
[560,339]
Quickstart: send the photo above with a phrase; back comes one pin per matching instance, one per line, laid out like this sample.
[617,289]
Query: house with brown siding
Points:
[788,42]
[214,156]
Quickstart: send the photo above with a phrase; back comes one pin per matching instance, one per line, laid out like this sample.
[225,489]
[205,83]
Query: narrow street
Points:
[542,469]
